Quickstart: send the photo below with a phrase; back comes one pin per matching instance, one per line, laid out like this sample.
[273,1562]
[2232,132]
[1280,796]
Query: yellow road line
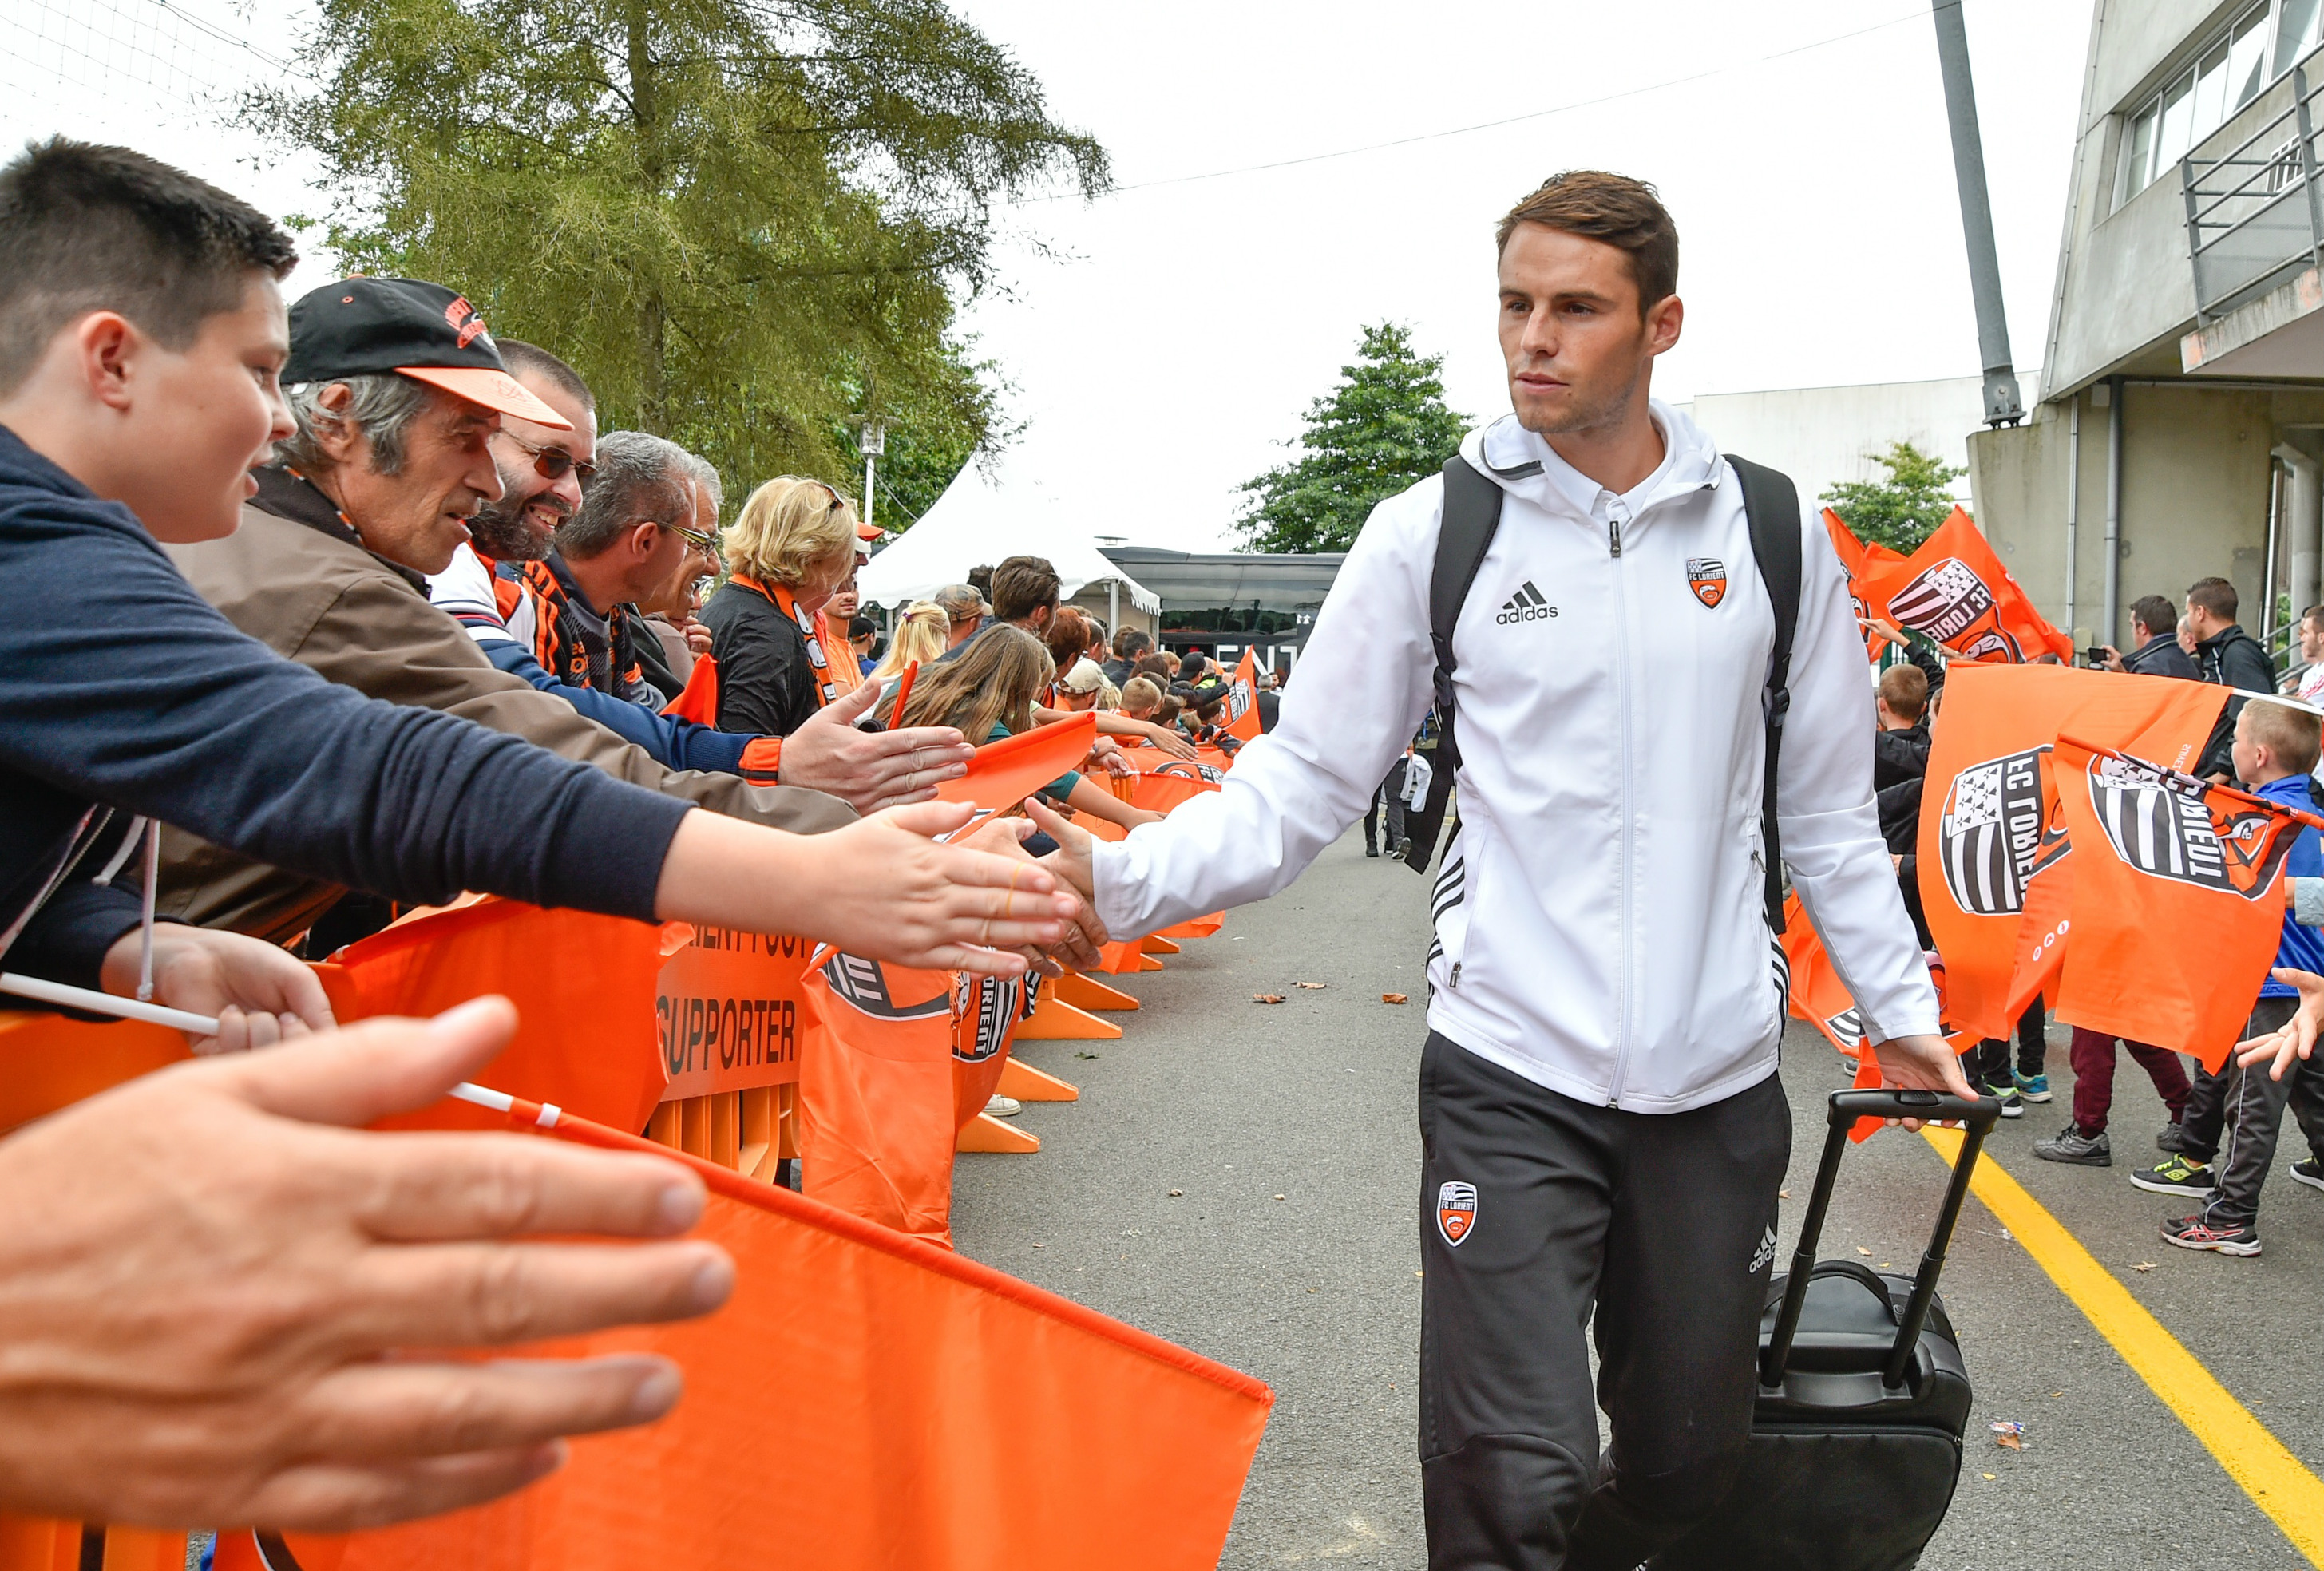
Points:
[2256,1459]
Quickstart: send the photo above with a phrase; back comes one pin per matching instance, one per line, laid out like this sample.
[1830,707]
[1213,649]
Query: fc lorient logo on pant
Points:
[1456,1210]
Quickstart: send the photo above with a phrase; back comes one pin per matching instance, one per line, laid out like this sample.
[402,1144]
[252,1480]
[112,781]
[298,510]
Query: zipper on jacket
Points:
[1617,510]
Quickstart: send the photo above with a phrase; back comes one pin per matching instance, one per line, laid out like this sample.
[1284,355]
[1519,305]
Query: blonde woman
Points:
[922,631]
[789,549]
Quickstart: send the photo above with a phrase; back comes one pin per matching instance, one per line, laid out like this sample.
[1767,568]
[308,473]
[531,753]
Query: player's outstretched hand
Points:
[215,1287]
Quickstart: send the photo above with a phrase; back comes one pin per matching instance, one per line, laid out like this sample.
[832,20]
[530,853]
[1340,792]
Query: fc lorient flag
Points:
[2178,899]
[865,1399]
[1242,699]
[1956,592]
[1989,821]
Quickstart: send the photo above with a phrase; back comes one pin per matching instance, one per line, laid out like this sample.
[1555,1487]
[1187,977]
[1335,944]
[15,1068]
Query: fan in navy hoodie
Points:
[122,693]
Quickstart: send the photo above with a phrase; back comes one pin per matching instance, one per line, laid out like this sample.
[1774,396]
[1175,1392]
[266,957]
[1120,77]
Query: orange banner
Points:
[1006,772]
[1985,827]
[865,1399]
[729,1008]
[583,987]
[1858,558]
[1818,995]
[1956,591]
[1242,699]
[2177,900]
[877,1116]
[699,701]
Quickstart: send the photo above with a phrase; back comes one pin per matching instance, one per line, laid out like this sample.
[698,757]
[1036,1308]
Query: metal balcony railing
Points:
[2256,214]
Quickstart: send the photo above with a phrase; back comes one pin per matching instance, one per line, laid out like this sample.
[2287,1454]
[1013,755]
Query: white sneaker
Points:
[1003,1107]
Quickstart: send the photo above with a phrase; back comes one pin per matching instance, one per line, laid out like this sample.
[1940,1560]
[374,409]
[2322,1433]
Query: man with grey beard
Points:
[542,472]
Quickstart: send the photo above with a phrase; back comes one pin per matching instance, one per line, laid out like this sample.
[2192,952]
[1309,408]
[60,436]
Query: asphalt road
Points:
[1292,1253]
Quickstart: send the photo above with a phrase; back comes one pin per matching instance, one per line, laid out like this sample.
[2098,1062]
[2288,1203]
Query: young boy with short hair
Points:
[2276,745]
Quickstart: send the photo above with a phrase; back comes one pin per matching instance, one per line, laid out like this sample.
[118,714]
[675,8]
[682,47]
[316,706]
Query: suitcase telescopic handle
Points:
[1847,1107]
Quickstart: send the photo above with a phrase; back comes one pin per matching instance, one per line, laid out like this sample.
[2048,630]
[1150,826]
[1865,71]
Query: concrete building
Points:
[1224,603]
[2180,419]
[1822,435]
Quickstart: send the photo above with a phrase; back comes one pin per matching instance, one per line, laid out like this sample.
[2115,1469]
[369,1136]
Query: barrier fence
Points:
[767,1058]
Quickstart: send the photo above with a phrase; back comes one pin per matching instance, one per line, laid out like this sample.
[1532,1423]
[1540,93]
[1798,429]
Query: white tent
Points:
[980,519]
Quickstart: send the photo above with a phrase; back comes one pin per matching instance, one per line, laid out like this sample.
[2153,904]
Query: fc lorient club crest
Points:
[1456,1210]
[1707,576]
[1990,834]
[1950,600]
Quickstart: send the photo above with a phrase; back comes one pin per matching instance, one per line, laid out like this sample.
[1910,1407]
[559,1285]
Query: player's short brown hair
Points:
[1904,689]
[2292,737]
[1623,213]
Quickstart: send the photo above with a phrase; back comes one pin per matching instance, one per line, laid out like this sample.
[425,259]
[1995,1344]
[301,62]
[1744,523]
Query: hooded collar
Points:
[1526,465]
[286,494]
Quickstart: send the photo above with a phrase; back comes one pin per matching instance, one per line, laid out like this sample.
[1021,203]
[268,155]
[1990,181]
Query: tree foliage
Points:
[733,216]
[1904,509]
[1383,428]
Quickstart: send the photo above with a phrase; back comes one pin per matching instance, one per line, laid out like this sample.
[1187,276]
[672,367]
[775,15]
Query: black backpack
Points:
[1472,513]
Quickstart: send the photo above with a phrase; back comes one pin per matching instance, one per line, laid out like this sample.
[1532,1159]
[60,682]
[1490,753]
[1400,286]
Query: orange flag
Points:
[588,1037]
[1985,803]
[2178,899]
[1006,772]
[1161,790]
[1956,591]
[698,702]
[1242,699]
[1817,994]
[865,1399]
[877,1120]
[1858,558]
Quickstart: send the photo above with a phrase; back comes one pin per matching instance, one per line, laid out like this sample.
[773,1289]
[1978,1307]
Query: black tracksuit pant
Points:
[1535,1209]
[1389,795]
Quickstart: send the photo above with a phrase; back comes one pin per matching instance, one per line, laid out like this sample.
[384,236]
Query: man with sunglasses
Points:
[634,526]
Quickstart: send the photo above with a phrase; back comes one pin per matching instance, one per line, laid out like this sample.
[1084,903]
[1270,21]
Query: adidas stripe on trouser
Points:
[1658,1220]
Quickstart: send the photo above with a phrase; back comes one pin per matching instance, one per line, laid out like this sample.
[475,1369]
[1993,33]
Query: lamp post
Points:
[872,436]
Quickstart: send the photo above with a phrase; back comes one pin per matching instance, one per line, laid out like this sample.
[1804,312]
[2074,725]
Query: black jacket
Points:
[767,681]
[1899,756]
[123,692]
[2161,656]
[2232,659]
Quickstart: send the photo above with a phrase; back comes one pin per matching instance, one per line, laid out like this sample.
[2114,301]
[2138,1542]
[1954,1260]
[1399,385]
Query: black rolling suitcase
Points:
[1856,1439]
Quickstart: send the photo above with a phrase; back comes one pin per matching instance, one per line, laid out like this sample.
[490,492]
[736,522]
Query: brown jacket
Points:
[365,622]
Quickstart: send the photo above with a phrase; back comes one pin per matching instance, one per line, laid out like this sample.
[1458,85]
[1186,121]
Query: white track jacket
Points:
[1600,924]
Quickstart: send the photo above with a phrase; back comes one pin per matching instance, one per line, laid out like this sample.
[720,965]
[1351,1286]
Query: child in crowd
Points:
[1141,699]
[2276,745]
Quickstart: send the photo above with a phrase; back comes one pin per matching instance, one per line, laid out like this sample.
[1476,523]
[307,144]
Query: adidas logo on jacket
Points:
[1600,925]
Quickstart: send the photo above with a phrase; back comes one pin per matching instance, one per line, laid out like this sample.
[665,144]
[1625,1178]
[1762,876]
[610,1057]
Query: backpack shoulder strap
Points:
[1771,505]
[1471,513]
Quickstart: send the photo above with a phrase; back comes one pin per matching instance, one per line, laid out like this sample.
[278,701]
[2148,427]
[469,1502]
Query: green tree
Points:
[1904,509]
[1381,428]
[731,215]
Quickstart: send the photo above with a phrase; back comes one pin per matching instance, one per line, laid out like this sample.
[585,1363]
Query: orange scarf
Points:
[780,598]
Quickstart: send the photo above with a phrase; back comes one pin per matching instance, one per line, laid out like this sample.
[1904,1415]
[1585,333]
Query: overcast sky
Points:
[1170,348]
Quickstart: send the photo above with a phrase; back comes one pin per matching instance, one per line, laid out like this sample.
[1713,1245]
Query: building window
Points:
[2226,74]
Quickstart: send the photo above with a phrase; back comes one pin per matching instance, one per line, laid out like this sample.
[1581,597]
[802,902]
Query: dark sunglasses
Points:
[554,462]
